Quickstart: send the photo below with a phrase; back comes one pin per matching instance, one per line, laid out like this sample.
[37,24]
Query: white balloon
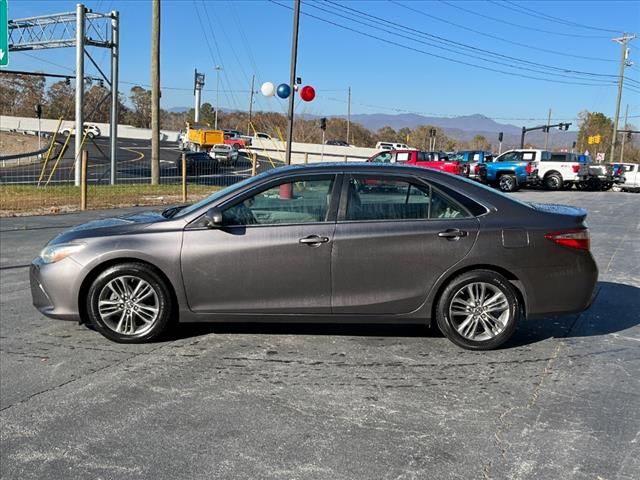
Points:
[268,89]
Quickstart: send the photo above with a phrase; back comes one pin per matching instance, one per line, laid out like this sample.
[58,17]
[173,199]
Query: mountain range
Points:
[462,128]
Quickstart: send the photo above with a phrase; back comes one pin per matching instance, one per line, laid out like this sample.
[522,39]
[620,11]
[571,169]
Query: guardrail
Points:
[20,159]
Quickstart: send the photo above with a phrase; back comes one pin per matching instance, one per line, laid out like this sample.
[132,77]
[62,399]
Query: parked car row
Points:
[519,168]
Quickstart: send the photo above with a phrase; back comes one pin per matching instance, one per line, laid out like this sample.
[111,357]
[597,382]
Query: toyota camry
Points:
[352,242]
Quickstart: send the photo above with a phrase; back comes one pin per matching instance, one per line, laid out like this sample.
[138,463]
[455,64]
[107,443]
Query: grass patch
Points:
[31,200]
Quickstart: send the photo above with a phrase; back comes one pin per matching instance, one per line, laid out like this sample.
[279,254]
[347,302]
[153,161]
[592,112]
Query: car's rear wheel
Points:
[478,310]
[508,183]
[553,181]
[129,303]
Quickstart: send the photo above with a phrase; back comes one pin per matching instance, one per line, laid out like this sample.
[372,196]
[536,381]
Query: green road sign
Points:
[4,34]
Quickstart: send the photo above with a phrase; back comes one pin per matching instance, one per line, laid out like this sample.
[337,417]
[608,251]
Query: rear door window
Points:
[386,198]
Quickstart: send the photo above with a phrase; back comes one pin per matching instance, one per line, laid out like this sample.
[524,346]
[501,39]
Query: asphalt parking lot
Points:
[561,400]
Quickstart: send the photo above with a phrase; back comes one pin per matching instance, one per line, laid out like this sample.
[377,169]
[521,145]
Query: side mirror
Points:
[213,218]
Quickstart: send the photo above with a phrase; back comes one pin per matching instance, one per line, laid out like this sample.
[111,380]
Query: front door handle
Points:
[453,234]
[313,240]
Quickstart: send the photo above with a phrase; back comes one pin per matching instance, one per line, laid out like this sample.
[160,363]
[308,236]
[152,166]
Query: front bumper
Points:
[55,287]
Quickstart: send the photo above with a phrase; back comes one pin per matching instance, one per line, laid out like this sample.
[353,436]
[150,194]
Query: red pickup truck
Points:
[435,160]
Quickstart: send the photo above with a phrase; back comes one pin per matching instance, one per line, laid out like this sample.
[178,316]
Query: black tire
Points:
[90,135]
[508,182]
[553,181]
[454,293]
[129,273]
[582,186]
[606,186]
[567,185]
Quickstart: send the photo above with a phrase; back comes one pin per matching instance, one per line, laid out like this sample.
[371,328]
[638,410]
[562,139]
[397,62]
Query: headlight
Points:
[55,253]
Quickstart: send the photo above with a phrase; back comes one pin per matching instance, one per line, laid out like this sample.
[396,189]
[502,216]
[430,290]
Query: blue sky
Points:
[392,66]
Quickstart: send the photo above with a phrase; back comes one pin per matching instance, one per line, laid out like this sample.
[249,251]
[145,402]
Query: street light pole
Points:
[218,68]
[294,59]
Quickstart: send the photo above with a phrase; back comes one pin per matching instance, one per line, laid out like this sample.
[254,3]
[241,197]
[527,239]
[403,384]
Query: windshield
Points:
[216,195]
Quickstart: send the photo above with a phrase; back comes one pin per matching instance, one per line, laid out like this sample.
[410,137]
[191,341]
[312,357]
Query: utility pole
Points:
[624,53]
[115,60]
[218,68]
[253,79]
[80,26]
[348,115]
[624,136]
[155,92]
[294,60]
[546,134]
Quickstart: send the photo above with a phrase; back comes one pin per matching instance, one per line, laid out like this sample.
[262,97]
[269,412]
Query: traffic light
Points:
[596,138]
[500,136]
[323,123]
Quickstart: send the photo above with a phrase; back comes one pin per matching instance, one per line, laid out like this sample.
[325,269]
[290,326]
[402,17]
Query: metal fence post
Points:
[184,177]
[345,158]
[83,180]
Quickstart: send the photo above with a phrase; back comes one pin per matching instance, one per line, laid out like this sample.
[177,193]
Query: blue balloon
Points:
[283,90]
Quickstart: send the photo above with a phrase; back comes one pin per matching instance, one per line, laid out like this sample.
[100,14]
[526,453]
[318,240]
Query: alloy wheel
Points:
[479,311]
[129,305]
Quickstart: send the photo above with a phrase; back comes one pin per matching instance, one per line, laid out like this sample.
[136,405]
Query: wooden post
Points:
[184,177]
[306,158]
[83,180]
[254,163]
[345,158]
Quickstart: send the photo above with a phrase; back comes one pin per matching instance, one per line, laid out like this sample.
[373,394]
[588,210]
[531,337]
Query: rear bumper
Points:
[568,288]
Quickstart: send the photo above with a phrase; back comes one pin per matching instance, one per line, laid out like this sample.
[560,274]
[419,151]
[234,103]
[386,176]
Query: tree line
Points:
[21,93]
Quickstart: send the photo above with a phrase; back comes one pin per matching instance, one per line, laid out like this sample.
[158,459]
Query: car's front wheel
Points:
[478,310]
[129,303]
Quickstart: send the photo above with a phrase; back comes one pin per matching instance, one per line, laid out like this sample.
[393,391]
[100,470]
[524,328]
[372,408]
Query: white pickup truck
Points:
[561,170]
[631,173]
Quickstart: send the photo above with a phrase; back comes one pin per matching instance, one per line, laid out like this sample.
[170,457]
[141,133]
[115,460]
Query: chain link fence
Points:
[48,180]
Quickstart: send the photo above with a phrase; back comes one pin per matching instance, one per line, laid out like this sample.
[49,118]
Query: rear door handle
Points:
[313,240]
[453,234]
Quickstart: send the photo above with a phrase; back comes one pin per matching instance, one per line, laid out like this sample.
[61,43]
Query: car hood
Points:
[109,226]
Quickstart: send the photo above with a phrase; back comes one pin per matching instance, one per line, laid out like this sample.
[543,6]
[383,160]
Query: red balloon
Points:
[307,93]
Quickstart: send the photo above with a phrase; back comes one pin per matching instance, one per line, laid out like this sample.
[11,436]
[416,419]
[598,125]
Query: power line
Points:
[485,34]
[550,18]
[465,46]
[584,81]
[526,27]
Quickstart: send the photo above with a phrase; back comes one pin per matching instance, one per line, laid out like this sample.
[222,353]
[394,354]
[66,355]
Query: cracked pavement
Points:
[326,401]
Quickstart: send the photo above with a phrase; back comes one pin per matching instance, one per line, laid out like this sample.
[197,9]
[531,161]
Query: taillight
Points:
[456,168]
[576,168]
[476,169]
[571,238]
[529,167]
